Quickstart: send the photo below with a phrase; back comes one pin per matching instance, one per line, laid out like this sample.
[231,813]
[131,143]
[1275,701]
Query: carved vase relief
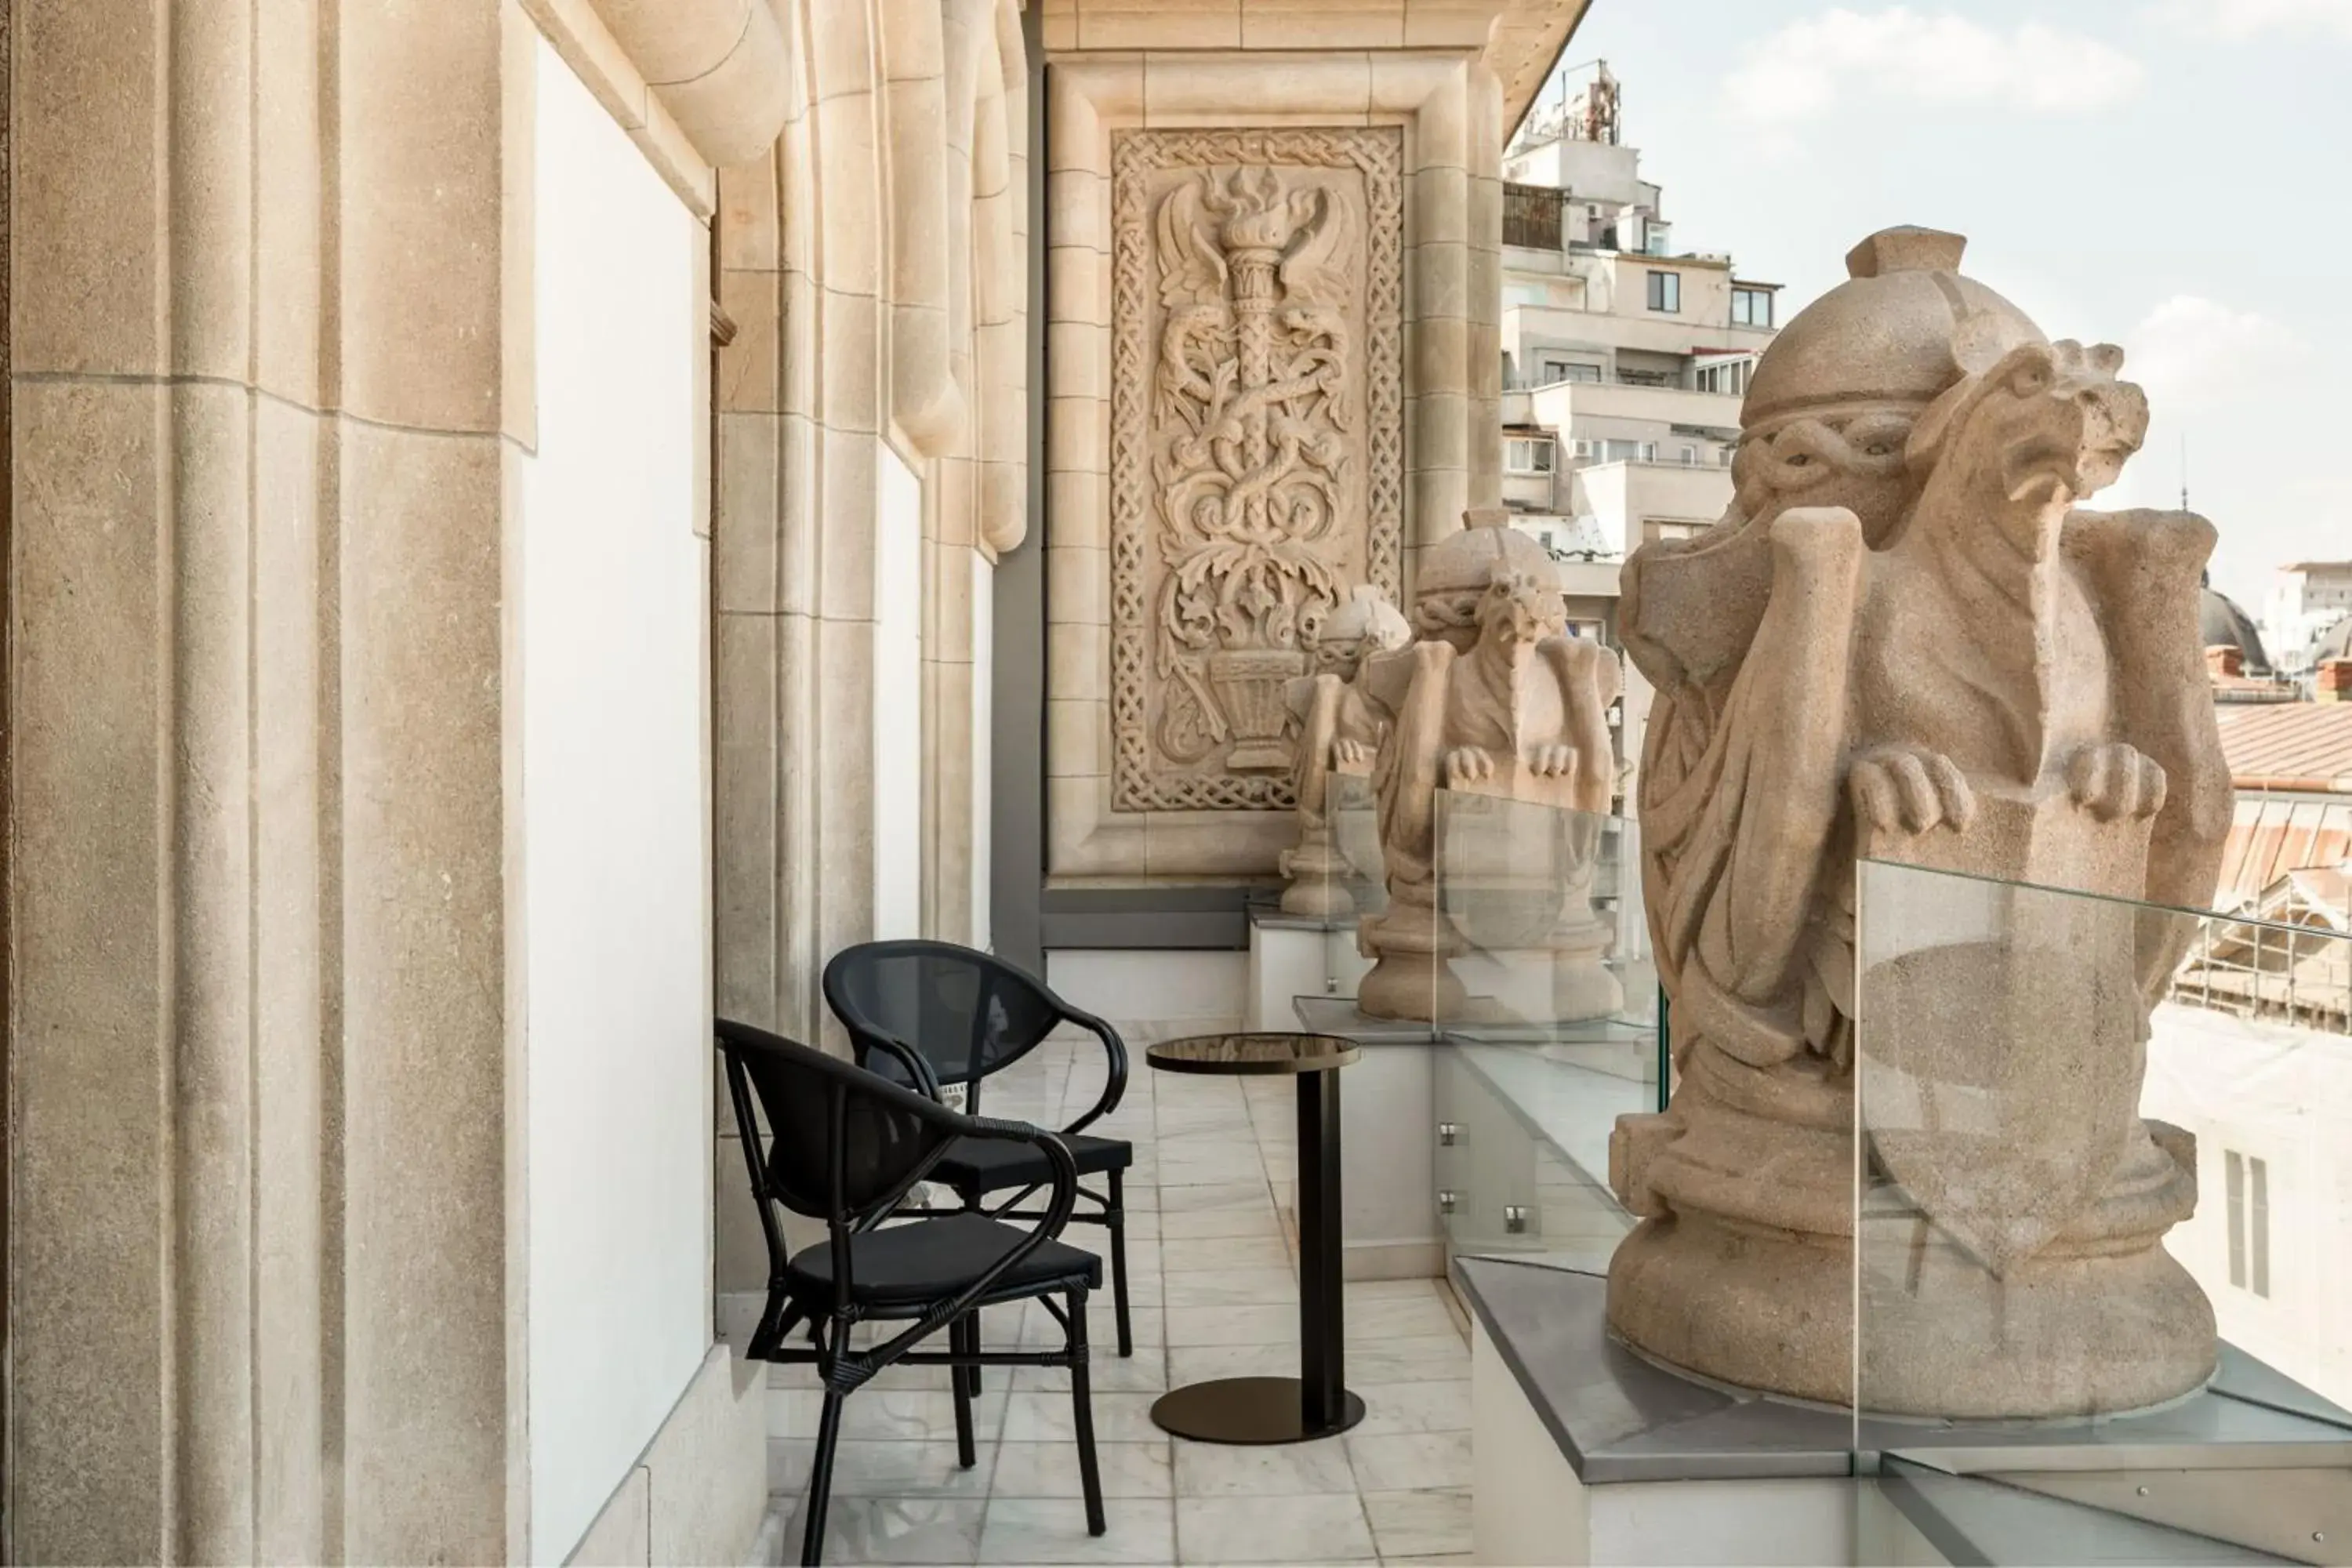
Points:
[1256,441]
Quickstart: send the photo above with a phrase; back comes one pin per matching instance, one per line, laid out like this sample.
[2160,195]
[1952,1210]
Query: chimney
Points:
[2225,660]
[2332,681]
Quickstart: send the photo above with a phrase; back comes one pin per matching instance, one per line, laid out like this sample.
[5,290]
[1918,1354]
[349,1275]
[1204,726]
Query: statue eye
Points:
[2029,379]
[1878,449]
[1799,459]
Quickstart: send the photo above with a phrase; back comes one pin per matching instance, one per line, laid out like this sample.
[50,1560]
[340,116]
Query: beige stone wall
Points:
[271,373]
[1446,106]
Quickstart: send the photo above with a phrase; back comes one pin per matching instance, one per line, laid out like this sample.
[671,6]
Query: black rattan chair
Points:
[968,1015]
[845,1145]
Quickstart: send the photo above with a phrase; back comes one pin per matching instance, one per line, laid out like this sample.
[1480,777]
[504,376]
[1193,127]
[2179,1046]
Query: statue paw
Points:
[1467,765]
[1551,761]
[2114,780]
[1350,753]
[1909,789]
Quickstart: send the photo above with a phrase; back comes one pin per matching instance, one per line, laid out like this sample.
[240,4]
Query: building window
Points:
[1751,307]
[2249,1222]
[1690,456]
[1558,370]
[1649,451]
[1666,291]
[1527,454]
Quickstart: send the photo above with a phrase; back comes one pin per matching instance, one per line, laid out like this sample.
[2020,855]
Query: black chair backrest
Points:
[844,1144]
[968,1013]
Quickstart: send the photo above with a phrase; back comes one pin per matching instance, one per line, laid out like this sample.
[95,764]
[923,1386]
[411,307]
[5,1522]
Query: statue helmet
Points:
[1902,327]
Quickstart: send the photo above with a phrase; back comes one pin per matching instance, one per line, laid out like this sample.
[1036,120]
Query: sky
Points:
[2173,177]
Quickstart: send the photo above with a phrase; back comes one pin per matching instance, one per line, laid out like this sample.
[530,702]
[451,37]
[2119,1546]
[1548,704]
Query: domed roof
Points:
[1899,330]
[2220,624]
[2336,644]
[1468,561]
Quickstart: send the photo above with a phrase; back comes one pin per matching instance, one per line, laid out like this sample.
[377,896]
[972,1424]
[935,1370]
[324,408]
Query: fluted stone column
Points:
[271,373]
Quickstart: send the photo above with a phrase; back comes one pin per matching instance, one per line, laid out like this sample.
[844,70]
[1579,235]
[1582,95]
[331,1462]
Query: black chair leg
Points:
[820,1483]
[1083,1415]
[964,1340]
[1116,1219]
[972,1204]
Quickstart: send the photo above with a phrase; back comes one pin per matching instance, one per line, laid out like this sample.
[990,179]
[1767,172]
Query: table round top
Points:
[1251,1053]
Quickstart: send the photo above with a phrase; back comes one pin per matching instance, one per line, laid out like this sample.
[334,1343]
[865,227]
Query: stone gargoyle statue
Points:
[1339,732]
[1492,699]
[1906,643]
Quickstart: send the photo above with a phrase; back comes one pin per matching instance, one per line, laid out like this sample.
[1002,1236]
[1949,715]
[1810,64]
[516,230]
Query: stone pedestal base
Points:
[2075,1333]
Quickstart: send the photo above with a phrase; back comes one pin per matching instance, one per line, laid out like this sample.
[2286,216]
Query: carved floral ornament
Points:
[1256,441]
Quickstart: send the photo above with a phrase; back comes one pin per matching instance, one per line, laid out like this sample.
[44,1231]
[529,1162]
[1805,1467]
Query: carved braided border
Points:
[1378,153]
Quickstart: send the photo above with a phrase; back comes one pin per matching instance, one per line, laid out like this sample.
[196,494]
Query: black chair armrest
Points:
[1049,1226]
[919,1071]
[1114,1082]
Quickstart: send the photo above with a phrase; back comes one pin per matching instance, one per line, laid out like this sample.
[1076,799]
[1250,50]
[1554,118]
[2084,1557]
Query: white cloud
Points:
[2248,18]
[1810,67]
[2190,353]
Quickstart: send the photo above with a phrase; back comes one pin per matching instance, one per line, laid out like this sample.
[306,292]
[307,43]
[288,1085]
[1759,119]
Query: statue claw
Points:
[1909,789]
[1552,762]
[2114,780]
[1468,765]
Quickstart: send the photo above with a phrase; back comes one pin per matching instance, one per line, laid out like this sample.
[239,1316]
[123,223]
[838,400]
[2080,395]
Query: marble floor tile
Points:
[1214,1254]
[1404,1461]
[1144,1372]
[883,1415]
[1427,1358]
[1054,1530]
[1271,1529]
[1391,1407]
[898,1530]
[1049,1418]
[1234,1287]
[1210,1224]
[1051,1470]
[1228,1194]
[1286,1469]
[1393,1290]
[1268,1323]
[1396,1317]
[864,1467]
[1420,1523]
[1188,1365]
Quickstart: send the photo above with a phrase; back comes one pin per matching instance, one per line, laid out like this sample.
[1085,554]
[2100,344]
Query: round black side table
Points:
[1315,1403]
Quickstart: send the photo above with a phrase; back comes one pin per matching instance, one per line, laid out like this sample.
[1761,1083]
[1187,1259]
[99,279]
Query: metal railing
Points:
[1532,216]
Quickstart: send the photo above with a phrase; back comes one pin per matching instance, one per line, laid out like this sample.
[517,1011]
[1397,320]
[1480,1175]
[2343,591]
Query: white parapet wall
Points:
[610,615]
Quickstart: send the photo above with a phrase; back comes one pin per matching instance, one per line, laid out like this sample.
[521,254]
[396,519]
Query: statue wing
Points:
[1734,836]
[1314,261]
[1192,267]
[1691,608]
[2145,570]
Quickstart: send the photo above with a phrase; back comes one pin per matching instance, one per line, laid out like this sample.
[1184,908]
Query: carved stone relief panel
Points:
[1256,440]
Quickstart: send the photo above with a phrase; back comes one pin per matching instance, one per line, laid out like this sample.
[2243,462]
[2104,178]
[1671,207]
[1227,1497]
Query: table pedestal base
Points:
[1248,1410]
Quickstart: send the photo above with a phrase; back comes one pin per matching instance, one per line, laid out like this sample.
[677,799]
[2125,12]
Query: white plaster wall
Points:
[898,698]
[611,603]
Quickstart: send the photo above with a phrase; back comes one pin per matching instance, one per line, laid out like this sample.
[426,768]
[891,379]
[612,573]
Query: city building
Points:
[2309,600]
[1624,358]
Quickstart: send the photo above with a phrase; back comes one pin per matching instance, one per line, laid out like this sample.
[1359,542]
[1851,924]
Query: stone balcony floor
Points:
[1215,1283]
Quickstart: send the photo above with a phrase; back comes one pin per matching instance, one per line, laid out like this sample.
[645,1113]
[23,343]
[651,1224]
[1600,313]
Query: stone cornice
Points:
[1525,44]
[698,84]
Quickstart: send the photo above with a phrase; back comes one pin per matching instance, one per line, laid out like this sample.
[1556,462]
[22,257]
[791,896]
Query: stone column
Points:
[265,326]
